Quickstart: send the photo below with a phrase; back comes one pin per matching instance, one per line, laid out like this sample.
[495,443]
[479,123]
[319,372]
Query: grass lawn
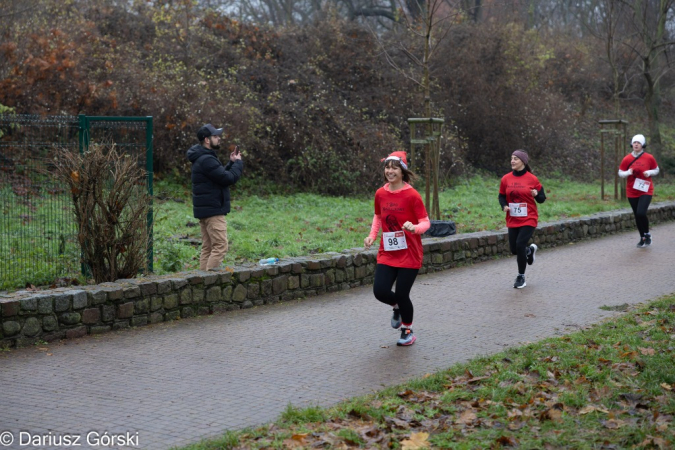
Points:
[38,239]
[303,224]
[39,246]
[611,386]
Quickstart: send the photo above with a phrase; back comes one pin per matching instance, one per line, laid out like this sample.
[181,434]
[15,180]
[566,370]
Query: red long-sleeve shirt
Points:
[517,190]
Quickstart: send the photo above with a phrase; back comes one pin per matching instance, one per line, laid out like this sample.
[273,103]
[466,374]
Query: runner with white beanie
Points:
[639,167]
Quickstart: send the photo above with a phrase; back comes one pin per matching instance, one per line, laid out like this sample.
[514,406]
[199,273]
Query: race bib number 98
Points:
[394,240]
[641,185]
[518,209]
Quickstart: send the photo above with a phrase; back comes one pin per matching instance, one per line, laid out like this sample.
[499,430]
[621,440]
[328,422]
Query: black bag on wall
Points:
[441,228]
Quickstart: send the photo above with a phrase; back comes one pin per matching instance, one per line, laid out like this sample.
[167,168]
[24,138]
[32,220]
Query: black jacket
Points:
[211,182]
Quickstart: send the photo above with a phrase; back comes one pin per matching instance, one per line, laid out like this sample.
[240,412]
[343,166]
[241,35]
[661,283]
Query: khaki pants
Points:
[214,242]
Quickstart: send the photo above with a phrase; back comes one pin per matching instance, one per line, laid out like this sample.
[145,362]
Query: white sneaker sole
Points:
[407,343]
[534,253]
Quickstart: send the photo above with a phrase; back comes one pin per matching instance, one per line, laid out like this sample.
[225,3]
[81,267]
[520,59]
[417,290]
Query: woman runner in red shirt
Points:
[400,212]
[639,167]
[517,194]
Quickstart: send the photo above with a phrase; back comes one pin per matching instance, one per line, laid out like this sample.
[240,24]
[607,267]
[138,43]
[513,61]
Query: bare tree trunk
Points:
[473,9]
[652,103]
[653,35]
[427,111]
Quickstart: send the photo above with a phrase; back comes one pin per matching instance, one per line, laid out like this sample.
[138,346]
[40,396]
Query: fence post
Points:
[83,144]
[149,170]
[83,136]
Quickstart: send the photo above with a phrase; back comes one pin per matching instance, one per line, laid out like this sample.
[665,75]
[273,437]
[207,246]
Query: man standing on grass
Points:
[211,183]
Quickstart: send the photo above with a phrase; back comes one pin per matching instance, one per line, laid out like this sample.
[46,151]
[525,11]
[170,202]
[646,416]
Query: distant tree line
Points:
[304,87]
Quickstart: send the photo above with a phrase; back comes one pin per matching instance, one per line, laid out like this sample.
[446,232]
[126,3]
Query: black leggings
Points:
[384,280]
[518,239]
[640,205]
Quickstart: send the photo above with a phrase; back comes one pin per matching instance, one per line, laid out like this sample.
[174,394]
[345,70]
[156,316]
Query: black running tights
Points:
[404,278]
[518,239]
[640,205]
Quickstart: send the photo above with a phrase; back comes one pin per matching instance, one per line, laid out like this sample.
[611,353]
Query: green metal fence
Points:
[38,235]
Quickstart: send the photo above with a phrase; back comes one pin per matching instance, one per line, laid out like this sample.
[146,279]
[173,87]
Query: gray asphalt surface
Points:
[175,383]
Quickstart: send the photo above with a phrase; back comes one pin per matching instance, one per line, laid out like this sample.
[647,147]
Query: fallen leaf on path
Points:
[292,443]
[646,351]
[590,408]
[393,422]
[587,409]
[653,441]
[416,441]
[475,379]
[467,417]
[507,441]
[552,414]
[614,424]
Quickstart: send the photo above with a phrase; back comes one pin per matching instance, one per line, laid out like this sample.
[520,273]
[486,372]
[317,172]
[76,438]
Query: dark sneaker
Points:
[530,256]
[396,319]
[520,282]
[407,337]
[648,240]
[641,244]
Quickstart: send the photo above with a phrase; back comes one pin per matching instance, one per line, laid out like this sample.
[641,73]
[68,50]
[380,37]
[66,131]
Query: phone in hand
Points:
[236,149]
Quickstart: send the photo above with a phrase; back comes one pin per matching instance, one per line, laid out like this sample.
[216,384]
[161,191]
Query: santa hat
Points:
[398,156]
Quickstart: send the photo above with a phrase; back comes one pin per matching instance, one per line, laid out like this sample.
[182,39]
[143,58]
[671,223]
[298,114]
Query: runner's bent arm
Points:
[423,225]
[651,173]
[502,201]
[541,195]
[375,227]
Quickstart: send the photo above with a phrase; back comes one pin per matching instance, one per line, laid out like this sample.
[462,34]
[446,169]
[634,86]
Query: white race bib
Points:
[394,240]
[641,185]
[518,209]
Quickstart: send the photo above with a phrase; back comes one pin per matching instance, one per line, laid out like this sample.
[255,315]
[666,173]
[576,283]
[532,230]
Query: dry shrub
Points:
[111,204]
[312,108]
[498,96]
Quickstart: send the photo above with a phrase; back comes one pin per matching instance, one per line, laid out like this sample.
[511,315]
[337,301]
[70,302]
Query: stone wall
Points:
[65,313]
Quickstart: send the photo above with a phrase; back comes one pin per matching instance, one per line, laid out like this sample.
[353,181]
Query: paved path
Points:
[175,383]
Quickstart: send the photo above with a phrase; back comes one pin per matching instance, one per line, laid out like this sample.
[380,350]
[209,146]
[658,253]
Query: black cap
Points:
[208,130]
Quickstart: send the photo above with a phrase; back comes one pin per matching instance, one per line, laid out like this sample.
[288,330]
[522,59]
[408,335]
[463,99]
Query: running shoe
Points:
[520,282]
[530,256]
[642,244]
[648,240]
[407,337]
[396,319]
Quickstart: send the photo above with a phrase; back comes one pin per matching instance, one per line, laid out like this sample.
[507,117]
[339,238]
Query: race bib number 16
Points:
[394,240]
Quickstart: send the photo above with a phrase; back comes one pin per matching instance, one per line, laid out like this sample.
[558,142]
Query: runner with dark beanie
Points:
[517,194]
[400,212]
